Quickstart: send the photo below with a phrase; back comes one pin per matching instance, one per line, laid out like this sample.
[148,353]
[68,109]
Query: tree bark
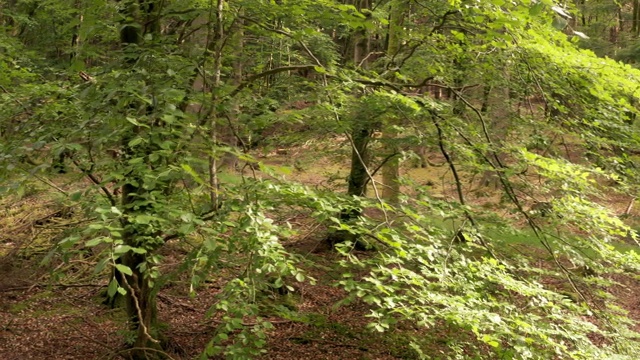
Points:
[361,131]
[140,298]
[634,21]
[391,169]
[358,177]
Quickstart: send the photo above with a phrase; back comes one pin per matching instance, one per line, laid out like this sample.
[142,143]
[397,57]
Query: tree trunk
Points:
[391,169]
[75,37]
[358,176]
[140,298]
[213,121]
[361,131]
[634,21]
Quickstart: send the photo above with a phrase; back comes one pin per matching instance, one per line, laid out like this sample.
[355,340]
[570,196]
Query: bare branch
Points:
[253,78]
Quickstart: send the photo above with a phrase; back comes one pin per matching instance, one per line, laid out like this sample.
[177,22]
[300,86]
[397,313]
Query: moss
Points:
[19,307]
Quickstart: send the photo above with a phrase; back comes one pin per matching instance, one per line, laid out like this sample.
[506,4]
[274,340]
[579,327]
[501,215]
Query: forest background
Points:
[319,179]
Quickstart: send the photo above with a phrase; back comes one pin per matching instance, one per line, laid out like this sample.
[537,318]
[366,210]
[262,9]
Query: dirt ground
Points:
[57,322]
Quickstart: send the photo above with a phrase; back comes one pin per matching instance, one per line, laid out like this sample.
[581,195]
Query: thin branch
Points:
[287,34]
[443,21]
[452,166]
[364,165]
[253,78]
[62,286]
[368,56]
[45,181]
[384,161]
[513,197]
[97,182]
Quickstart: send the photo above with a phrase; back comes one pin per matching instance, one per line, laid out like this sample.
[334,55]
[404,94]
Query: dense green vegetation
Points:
[161,114]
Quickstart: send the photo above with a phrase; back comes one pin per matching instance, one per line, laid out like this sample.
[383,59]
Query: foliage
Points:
[136,119]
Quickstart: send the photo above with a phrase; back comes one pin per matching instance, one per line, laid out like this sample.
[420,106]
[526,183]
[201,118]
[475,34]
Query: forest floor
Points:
[43,321]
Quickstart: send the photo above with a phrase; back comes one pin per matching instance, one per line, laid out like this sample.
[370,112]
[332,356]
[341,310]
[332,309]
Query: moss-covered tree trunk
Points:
[139,298]
[391,169]
[358,176]
[355,50]
[635,29]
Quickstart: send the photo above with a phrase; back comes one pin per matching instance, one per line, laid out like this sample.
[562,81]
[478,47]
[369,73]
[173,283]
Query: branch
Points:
[97,182]
[454,171]
[398,87]
[443,21]
[253,78]
[287,34]
[384,161]
[46,181]
[63,286]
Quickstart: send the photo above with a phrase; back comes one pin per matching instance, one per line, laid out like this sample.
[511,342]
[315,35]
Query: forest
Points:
[319,179]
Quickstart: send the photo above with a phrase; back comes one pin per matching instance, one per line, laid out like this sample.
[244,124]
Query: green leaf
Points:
[113,287]
[192,173]
[121,249]
[101,265]
[138,250]
[133,121]
[76,196]
[135,141]
[96,241]
[169,119]
[143,219]
[124,269]
[299,277]
[536,9]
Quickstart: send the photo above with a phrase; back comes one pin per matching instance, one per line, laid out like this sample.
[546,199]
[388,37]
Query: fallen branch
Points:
[62,286]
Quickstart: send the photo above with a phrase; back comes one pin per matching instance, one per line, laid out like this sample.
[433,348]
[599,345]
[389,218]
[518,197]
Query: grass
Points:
[38,306]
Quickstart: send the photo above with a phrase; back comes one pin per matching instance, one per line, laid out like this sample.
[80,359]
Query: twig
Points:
[453,240]
[287,34]
[97,182]
[384,161]
[362,162]
[45,181]
[256,323]
[91,339]
[452,166]
[253,78]
[26,109]
[63,286]
[630,206]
